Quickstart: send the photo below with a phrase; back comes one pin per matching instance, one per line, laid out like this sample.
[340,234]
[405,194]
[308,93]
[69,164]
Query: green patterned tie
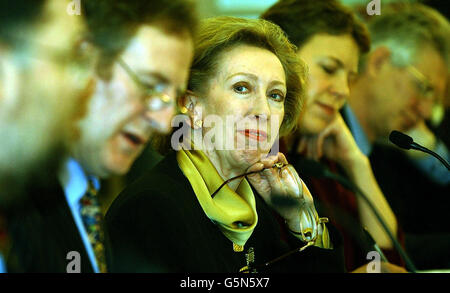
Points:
[92,220]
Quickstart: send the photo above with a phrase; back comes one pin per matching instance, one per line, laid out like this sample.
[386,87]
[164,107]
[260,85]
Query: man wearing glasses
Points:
[401,79]
[144,54]
[140,76]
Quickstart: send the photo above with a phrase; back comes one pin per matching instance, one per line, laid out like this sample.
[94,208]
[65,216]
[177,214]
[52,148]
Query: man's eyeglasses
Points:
[422,83]
[154,99]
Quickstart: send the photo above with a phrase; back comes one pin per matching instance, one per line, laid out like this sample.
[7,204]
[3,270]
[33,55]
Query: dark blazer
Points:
[44,232]
[157,225]
[414,193]
[420,205]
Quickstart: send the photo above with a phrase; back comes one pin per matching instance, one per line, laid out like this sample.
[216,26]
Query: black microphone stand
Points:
[418,147]
[353,187]
[319,170]
[406,142]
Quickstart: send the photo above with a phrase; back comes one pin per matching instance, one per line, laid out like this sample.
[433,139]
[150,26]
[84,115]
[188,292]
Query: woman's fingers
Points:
[328,132]
[302,145]
[269,161]
[274,180]
[255,167]
[282,158]
[312,148]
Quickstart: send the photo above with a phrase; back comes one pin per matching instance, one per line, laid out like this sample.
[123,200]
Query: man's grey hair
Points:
[405,29]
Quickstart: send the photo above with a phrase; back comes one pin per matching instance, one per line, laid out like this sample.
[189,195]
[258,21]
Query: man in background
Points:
[144,54]
[400,80]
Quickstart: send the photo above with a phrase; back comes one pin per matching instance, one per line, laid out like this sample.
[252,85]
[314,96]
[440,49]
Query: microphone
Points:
[401,140]
[316,169]
[406,142]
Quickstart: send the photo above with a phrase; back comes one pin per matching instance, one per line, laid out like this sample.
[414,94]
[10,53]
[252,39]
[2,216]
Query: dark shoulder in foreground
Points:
[147,218]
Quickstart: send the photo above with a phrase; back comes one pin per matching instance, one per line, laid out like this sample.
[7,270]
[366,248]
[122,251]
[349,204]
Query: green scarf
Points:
[234,212]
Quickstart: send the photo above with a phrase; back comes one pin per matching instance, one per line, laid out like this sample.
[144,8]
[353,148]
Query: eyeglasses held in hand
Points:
[254,269]
[309,218]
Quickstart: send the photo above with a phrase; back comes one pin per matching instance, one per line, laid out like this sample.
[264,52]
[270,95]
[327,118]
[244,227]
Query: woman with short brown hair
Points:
[213,209]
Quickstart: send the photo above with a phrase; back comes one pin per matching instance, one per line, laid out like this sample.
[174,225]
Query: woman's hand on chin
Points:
[277,186]
[335,143]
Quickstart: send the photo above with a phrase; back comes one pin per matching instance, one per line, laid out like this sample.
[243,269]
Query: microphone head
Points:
[401,140]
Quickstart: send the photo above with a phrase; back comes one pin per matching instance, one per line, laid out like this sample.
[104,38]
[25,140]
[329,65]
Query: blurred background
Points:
[253,8]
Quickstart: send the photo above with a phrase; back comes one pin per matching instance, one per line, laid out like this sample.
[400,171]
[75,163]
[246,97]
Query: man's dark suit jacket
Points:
[44,232]
[157,225]
[420,205]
